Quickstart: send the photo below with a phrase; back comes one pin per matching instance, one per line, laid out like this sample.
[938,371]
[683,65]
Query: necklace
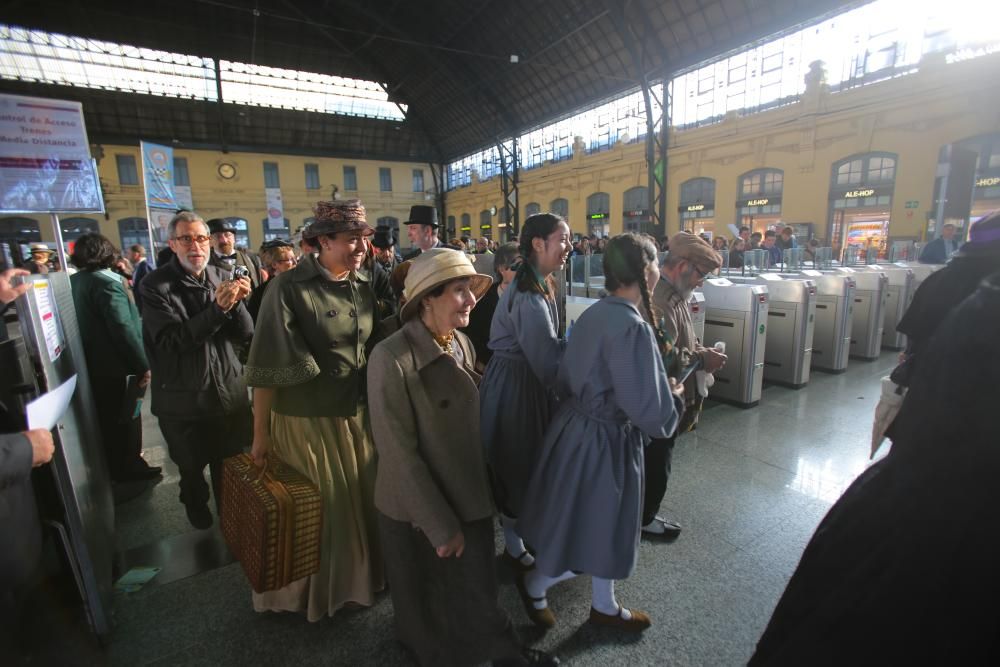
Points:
[445,341]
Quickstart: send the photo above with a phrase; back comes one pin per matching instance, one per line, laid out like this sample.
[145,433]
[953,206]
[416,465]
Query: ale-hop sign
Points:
[855,194]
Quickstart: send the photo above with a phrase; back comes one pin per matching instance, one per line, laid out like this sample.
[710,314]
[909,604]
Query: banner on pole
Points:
[158,175]
[45,163]
[275,209]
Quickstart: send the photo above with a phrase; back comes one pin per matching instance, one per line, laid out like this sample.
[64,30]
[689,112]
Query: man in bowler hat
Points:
[385,248]
[421,229]
[227,256]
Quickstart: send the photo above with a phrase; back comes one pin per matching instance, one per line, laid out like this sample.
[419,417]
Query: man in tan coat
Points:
[690,259]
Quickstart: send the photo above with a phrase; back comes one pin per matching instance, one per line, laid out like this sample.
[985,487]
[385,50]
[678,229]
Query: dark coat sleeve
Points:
[15,458]
[169,331]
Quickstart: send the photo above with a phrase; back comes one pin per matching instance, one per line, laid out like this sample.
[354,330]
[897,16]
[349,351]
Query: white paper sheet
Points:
[45,411]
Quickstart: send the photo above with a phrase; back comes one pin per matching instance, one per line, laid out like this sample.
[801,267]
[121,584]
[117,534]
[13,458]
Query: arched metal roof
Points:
[448,61]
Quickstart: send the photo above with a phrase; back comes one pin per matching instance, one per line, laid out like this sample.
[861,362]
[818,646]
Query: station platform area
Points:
[749,487]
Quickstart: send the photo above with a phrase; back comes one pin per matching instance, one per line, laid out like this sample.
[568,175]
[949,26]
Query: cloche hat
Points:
[435,267]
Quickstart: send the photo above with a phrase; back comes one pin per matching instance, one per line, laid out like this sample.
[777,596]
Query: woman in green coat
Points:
[307,366]
[111,333]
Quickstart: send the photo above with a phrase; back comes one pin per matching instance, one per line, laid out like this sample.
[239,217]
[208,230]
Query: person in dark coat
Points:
[940,249]
[903,568]
[227,256]
[276,257]
[481,317]
[111,333]
[193,315]
[946,288]
[421,229]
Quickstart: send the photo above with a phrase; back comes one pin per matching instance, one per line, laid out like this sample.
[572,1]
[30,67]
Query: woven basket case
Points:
[271,521]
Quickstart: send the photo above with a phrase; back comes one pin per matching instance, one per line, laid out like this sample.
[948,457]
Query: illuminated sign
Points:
[466,229]
[486,226]
[697,207]
[987,182]
[638,213]
[757,202]
[597,216]
[854,194]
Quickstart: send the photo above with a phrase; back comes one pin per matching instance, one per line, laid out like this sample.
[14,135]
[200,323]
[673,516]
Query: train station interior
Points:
[867,130]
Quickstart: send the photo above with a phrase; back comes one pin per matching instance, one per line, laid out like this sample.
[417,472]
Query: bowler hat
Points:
[423,215]
[334,217]
[219,225]
[435,267]
[383,237]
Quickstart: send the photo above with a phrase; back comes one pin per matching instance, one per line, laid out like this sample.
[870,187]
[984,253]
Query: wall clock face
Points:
[227,170]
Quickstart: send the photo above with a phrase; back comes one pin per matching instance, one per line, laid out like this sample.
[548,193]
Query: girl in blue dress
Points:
[582,511]
[515,395]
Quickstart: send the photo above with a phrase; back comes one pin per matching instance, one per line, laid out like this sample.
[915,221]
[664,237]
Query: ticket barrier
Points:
[791,321]
[834,317]
[870,291]
[920,271]
[899,292]
[575,305]
[736,314]
[696,306]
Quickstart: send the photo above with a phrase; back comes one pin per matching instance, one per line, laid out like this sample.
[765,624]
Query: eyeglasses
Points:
[703,274]
[187,239]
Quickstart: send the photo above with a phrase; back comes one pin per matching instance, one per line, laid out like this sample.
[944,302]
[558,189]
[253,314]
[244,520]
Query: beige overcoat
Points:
[425,421]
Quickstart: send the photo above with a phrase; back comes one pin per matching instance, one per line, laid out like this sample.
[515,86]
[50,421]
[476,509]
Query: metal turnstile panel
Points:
[696,305]
[737,316]
[895,306]
[869,315]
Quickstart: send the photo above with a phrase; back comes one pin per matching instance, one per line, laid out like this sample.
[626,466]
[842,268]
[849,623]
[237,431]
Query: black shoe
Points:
[199,516]
[660,527]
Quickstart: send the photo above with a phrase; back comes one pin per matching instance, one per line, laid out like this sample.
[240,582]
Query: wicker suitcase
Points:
[271,521]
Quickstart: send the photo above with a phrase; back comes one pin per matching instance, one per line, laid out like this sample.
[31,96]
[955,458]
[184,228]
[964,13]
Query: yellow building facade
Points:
[835,164]
[233,185]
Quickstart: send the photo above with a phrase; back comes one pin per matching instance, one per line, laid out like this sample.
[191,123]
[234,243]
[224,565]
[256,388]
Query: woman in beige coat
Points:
[431,490]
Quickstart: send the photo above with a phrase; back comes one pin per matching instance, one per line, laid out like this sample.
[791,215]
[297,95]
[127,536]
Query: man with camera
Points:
[228,257]
[194,319]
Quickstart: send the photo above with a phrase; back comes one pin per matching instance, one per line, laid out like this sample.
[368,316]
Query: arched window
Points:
[242,231]
[486,224]
[134,231]
[698,191]
[532,209]
[25,230]
[451,225]
[271,232]
[466,225]
[560,207]
[74,228]
[861,188]
[599,214]
[761,182]
[635,217]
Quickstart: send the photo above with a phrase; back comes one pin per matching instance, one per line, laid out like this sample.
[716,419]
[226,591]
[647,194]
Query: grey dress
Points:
[582,509]
[516,393]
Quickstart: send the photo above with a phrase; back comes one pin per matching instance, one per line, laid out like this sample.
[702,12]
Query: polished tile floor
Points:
[749,486]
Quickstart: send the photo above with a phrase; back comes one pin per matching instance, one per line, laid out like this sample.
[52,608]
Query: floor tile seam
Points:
[712,441]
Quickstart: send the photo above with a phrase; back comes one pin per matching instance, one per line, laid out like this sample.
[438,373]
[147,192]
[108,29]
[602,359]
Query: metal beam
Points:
[509,164]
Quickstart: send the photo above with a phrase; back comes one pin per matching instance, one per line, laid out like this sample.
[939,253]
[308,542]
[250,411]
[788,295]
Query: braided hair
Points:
[540,225]
[625,260]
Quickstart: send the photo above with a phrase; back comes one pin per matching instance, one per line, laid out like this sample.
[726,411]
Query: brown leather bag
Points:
[271,520]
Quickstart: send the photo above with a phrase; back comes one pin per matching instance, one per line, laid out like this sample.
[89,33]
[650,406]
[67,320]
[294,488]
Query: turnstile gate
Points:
[870,290]
[834,318]
[737,315]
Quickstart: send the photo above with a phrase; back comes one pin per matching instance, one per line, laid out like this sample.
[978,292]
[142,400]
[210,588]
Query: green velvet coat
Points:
[109,325]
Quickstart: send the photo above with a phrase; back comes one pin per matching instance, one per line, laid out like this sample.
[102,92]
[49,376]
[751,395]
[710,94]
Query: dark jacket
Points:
[189,343]
[20,528]
[936,252]
[415,252]
[480,321]
[110,327]
[141,270]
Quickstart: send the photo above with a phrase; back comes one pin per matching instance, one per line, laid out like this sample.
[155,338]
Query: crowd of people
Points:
[352,365]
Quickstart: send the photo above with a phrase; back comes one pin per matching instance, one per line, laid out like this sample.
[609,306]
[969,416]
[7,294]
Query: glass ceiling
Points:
[38,56]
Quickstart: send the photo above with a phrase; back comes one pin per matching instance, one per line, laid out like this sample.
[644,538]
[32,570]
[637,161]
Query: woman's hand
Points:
[676,388]
[259,450]
[453,547]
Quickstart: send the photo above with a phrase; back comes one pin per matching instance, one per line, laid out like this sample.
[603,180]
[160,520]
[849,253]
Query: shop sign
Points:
[913,203]
[638,213]
[987,181]
[486,226]
[757,202]
[695,207]
[597,216]
[855,194]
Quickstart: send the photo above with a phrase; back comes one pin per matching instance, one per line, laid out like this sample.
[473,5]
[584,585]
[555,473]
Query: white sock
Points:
[513,542]
[604,598]
[537,584]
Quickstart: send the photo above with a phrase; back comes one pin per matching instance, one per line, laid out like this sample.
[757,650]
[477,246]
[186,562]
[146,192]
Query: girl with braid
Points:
[583,505]
[516,394]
